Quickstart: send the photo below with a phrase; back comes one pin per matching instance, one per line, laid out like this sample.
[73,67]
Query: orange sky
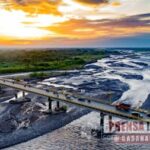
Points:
[30,22]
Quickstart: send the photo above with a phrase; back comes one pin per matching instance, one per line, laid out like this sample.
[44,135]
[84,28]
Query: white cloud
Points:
[75,10]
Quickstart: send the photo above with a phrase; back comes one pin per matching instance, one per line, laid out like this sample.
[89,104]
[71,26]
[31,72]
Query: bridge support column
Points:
[49,104]
[23,93]
[102,123]
[58,104]
[148,126]
[16,95]
[110,122]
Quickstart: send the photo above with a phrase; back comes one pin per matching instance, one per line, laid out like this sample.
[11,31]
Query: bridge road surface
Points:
[94,105]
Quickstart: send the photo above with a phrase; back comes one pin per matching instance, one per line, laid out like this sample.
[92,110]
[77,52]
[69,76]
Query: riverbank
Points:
[37,125]
[21,122]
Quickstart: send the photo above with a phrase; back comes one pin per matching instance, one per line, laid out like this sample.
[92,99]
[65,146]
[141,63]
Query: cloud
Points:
[26,2]
[88,29]
[93,2]
[34,6]
[80,20]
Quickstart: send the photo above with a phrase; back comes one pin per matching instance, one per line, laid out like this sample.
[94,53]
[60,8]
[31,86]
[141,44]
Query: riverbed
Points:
[126,75]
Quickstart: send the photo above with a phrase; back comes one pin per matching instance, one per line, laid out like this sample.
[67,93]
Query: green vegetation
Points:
[39,75]
[64,108]
[13,61]
[42,75]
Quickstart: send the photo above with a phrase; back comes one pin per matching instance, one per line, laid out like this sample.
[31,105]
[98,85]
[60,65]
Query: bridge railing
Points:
[74,94]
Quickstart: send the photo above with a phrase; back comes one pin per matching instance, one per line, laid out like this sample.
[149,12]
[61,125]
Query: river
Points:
[132,68]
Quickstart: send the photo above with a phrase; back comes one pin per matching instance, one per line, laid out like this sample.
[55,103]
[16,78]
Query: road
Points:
[91,104]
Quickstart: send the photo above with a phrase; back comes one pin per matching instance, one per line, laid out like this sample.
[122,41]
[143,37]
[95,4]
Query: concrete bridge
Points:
[101,106]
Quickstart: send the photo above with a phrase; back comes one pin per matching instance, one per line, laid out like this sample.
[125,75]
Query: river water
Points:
[132,68]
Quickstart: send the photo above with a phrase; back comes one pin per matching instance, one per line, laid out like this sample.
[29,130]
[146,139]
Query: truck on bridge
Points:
[123,106]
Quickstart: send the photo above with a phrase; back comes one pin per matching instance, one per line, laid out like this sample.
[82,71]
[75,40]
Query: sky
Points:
[74,23]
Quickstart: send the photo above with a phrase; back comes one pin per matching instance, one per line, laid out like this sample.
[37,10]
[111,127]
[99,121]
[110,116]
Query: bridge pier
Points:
[49,104]
[110,122]
[148,126]
[58,104]
[23,93]
[102,123]
[16,95]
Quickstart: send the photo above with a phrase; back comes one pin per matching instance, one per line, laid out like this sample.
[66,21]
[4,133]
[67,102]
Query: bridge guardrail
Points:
[45,93]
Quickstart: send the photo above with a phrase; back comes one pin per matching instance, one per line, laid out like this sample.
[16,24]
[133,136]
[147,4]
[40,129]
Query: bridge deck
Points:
[94,105]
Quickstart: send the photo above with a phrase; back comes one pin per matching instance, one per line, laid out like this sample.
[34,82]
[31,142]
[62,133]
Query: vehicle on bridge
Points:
[81,99]
[123,106]
[136,114]
[68,96]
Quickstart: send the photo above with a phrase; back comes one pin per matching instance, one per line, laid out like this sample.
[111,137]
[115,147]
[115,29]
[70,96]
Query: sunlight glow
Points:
[45,21]
[20,25]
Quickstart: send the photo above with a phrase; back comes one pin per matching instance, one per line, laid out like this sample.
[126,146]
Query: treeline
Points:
[12,61]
